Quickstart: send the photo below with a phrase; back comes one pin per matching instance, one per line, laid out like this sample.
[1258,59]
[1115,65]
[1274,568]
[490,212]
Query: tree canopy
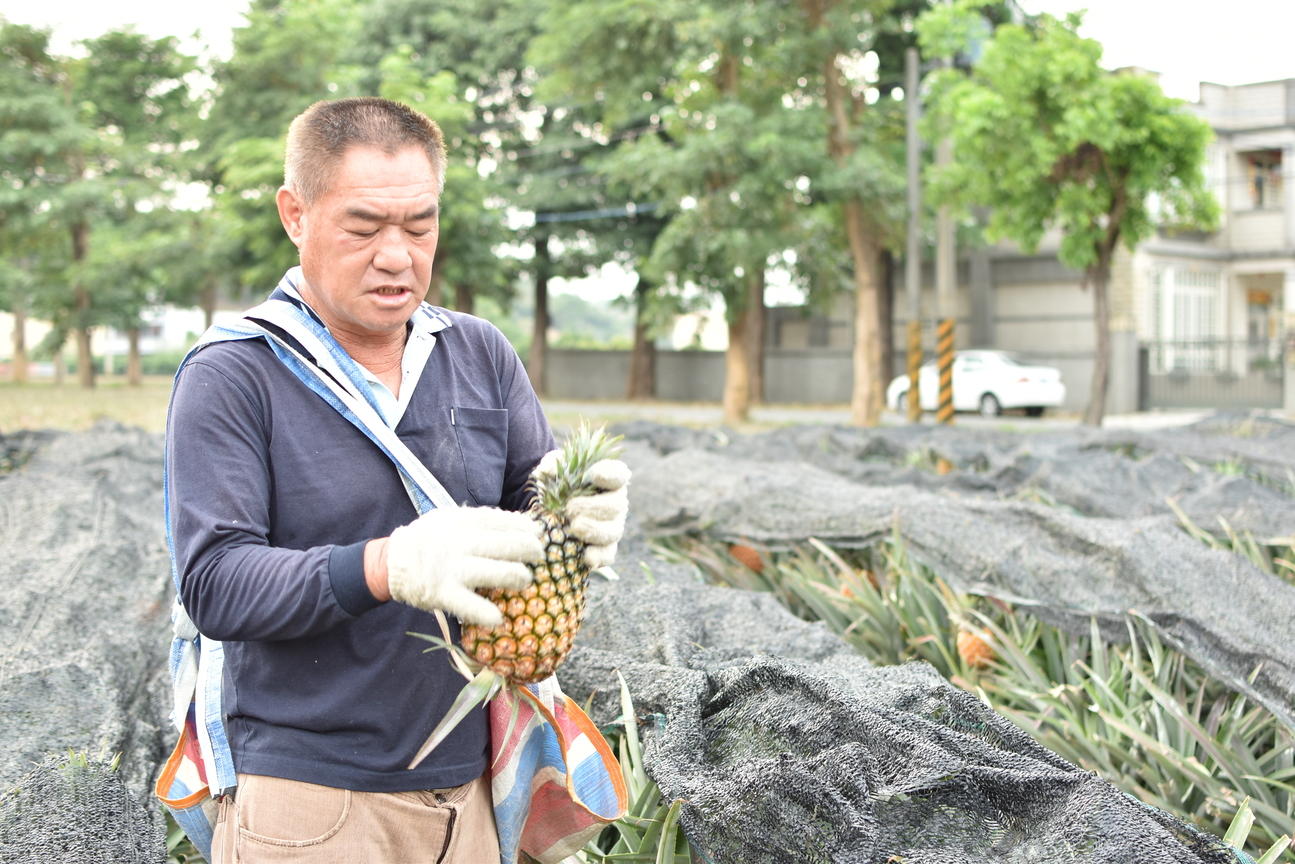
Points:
[705,146]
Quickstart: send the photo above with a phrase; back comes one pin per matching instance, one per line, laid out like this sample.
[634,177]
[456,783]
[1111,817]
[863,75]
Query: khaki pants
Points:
[276,821]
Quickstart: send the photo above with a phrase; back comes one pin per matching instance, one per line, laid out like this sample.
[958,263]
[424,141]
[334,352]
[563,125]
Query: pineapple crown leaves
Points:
[569,477]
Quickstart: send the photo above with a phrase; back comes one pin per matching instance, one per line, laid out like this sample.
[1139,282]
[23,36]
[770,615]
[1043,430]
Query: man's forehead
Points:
[363,167]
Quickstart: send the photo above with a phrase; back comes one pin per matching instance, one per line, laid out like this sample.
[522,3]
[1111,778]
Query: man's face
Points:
[367,243]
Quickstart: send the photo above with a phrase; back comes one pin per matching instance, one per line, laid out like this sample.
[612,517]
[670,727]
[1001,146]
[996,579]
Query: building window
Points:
[1264,177]
[1185,317]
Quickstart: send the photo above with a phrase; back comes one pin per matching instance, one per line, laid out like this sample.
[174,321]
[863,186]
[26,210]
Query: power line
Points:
[603,213]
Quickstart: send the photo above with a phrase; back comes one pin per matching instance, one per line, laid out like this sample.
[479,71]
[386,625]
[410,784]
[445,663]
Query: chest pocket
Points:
[482,434]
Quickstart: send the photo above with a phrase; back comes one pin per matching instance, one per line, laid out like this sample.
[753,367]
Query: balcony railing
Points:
[1215,356]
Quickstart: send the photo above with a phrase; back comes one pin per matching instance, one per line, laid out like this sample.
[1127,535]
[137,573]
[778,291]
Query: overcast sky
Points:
[72,20]
[1188,41]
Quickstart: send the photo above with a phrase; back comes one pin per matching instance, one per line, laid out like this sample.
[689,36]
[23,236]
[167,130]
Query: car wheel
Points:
[902,403]
[990,406]
[1034,411]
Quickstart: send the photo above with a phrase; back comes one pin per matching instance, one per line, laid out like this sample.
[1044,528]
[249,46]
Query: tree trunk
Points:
[755,335]
[1098,276]
[885,320]
[642,380]
[81,311]
[210,295]
[60,366]
[134,366]
[540,336]
[737,382]
[19,369]
[463,298]
[84,359]
[436,289]
[866,398]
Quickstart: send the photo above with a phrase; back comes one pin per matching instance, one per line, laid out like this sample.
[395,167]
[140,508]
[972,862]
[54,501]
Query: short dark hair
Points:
[320,136]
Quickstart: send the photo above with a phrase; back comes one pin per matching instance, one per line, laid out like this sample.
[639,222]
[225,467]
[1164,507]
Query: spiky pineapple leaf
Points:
[480,689]
[569,476]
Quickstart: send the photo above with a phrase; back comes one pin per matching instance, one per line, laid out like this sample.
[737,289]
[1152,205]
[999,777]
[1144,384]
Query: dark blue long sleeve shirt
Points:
[273,496]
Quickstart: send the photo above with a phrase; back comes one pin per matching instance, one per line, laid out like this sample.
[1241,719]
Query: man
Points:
[295,537]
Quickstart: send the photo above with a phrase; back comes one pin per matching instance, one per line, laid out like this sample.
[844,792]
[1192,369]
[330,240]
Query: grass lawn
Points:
[44,405]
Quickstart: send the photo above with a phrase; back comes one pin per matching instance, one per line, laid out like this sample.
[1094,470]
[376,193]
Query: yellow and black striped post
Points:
[944,361]
[914,371]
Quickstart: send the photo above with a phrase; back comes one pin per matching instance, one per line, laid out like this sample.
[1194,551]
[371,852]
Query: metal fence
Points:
[1212,373]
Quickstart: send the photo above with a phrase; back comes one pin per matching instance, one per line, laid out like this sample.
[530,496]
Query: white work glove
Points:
[437,560]
[597,519]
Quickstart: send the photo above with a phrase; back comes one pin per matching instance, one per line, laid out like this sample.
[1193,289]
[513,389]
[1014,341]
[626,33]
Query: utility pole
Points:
[913,255]
[946,273]
[946,264]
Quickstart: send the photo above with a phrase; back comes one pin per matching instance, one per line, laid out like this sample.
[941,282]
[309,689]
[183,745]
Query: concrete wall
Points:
[809,376]
[587,374]
[689,376]
[1248,106]
[681,376]
[1258,230]
[823,376]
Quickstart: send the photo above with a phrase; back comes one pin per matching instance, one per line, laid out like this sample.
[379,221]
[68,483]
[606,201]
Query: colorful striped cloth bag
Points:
[554,778]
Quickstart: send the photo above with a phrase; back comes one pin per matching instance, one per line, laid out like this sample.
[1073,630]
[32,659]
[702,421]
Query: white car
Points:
[986,381]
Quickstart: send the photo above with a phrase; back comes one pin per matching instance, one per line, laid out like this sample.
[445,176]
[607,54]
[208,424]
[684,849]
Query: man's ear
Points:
[292,213]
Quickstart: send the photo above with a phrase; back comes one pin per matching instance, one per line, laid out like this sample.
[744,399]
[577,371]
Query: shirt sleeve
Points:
[234,584]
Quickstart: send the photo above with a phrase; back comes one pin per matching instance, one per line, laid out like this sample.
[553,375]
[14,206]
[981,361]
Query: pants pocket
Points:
[282,813]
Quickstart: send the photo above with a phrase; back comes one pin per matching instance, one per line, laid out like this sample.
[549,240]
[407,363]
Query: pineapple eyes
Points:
[540,622]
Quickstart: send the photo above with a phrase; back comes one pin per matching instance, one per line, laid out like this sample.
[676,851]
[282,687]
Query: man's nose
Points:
[392,255]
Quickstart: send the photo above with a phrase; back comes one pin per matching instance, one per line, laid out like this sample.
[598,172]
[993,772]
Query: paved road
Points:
[568,413]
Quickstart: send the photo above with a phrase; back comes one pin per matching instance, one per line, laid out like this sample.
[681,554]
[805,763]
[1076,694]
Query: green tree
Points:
[469,57]
[517,150]
[604,71]
[1045,137]
[725,149]
[289,55]
[766,138]
[88,142]
[472,219]
[829,43]
[134,92]
[38,128]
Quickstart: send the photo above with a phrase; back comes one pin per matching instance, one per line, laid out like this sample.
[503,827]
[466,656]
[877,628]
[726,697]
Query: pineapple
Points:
[974,650]
[747,556]
[541,620]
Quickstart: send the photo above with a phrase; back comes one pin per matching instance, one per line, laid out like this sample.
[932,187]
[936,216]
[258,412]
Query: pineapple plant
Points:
[540,621]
